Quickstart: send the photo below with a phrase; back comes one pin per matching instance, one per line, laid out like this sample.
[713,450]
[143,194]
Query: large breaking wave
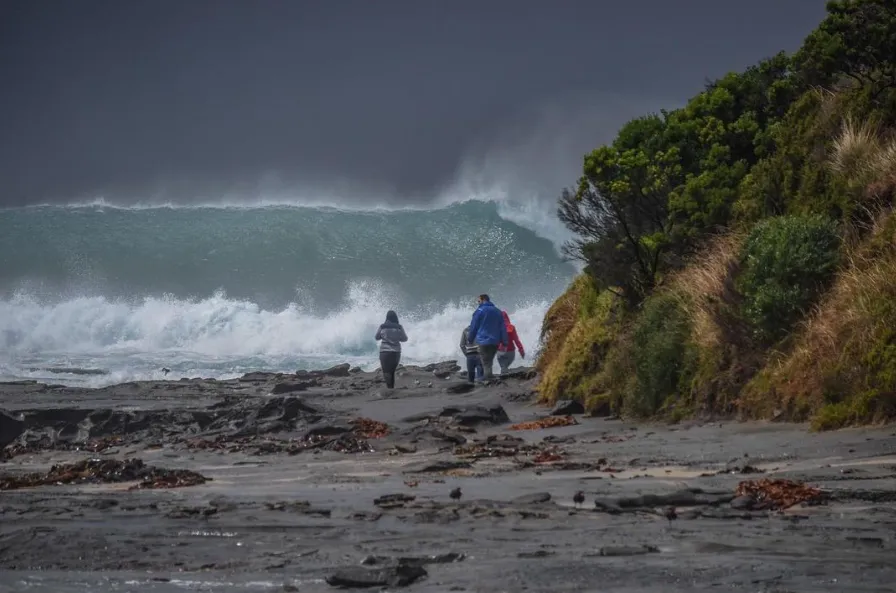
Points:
[101,294]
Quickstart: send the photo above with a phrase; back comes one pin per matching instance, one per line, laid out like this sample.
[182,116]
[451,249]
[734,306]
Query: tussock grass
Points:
[841,370]
[576,333]
[856,150]
[707,292]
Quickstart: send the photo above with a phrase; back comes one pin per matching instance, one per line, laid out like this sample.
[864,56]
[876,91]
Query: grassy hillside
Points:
[740,252]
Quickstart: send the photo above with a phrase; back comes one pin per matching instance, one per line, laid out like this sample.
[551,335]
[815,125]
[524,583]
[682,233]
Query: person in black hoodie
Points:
[390,335]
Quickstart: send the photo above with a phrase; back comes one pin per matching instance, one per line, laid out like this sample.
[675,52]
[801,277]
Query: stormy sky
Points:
[392,99]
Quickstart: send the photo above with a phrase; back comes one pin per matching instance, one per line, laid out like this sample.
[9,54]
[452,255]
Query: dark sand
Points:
[286,522]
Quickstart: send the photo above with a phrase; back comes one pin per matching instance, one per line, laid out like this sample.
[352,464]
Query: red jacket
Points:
[512,336]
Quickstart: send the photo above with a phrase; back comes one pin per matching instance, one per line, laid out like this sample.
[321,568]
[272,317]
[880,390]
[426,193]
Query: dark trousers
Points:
[389,362]
[487,354]
[474,367]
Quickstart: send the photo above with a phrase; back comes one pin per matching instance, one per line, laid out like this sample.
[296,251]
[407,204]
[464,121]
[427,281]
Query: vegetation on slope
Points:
[739,253]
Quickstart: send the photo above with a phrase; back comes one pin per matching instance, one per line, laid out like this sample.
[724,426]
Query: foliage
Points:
[857,40]
[662,357]
[645,200]
[787,262]
[723,225]
[619,210]
[576,334]
[842,367]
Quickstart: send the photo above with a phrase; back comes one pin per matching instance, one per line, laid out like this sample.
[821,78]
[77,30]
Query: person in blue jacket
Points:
[487,330]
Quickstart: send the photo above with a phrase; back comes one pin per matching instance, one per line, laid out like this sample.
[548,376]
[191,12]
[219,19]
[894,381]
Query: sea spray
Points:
[218,292]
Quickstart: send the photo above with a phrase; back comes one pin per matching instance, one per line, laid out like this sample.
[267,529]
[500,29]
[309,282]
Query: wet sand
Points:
[297,495]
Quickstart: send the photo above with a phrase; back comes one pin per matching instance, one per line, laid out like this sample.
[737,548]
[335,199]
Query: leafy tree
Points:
[857,40]
[619,210]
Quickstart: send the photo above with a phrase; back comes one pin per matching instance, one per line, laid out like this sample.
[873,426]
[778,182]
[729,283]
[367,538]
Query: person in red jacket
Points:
[507,352]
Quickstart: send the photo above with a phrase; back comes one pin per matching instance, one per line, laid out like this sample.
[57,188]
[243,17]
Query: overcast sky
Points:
[394,98]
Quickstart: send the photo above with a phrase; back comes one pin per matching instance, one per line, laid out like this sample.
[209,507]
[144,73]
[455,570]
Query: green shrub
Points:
[788,262]
[662,355]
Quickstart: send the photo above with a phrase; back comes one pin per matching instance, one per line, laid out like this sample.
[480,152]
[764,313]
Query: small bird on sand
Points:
[578,498]
[417,382]
[429,384]
[456,494]
[670,514]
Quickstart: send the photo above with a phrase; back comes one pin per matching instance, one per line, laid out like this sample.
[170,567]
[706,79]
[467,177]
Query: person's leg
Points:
[487,353]
[472,363]
[478,369]
[389,362]
[505,359]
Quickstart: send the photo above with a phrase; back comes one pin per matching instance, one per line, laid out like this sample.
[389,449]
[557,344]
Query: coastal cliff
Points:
[740,252]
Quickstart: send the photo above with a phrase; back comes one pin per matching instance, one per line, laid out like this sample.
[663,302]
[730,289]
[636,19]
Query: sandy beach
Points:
[282,488]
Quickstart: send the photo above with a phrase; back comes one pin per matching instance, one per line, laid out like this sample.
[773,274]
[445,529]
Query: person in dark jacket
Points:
[390,336]
[471,352]
[487,330]
[507,350]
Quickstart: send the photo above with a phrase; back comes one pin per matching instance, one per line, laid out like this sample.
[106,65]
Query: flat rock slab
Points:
[567,407]
[433,466]
[536,498]
[400,575]
[10,428]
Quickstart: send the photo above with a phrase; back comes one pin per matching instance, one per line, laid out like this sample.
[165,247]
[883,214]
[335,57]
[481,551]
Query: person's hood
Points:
[486,304]
[507,324]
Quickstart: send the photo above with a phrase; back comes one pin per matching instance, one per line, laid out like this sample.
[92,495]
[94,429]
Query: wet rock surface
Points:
[314,481]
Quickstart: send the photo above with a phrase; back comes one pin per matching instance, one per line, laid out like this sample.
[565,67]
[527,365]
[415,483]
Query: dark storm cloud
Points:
[111,96]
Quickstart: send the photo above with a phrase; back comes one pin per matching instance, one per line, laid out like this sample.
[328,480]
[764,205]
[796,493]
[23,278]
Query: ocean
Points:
[95,294]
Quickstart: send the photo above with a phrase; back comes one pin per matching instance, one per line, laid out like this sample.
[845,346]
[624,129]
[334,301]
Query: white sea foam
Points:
[218,336]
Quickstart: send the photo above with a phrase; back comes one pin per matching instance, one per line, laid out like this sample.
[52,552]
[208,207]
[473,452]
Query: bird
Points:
[670,514]
[166,370]
[456,494]
[417,382]
[578,498]
[429,384]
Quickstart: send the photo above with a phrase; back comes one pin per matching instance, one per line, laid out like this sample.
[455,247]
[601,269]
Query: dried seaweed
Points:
[777,494]
[549,422]
[106,471]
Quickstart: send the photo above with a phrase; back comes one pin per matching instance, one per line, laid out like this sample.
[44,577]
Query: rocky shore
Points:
[321,480]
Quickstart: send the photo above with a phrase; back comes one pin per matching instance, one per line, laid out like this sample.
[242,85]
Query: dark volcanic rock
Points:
[340,370]
[566,407]
[418,560]
[436,466]
[400,575]
[536,498]
[390,500]
[443,370]
[628,550]
[328,430]
[523,374]
[452,436]
[743,503]
[256,377]
[472,415]
[460,387]
[292,387]
[10,428]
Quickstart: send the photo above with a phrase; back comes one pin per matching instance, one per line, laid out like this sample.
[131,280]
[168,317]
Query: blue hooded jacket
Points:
[487,325]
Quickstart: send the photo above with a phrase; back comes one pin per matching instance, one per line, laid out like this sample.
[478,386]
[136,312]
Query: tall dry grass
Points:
[846,322]
[707,290]
[866,156]
[856,149]
[828,358]
[559,321]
